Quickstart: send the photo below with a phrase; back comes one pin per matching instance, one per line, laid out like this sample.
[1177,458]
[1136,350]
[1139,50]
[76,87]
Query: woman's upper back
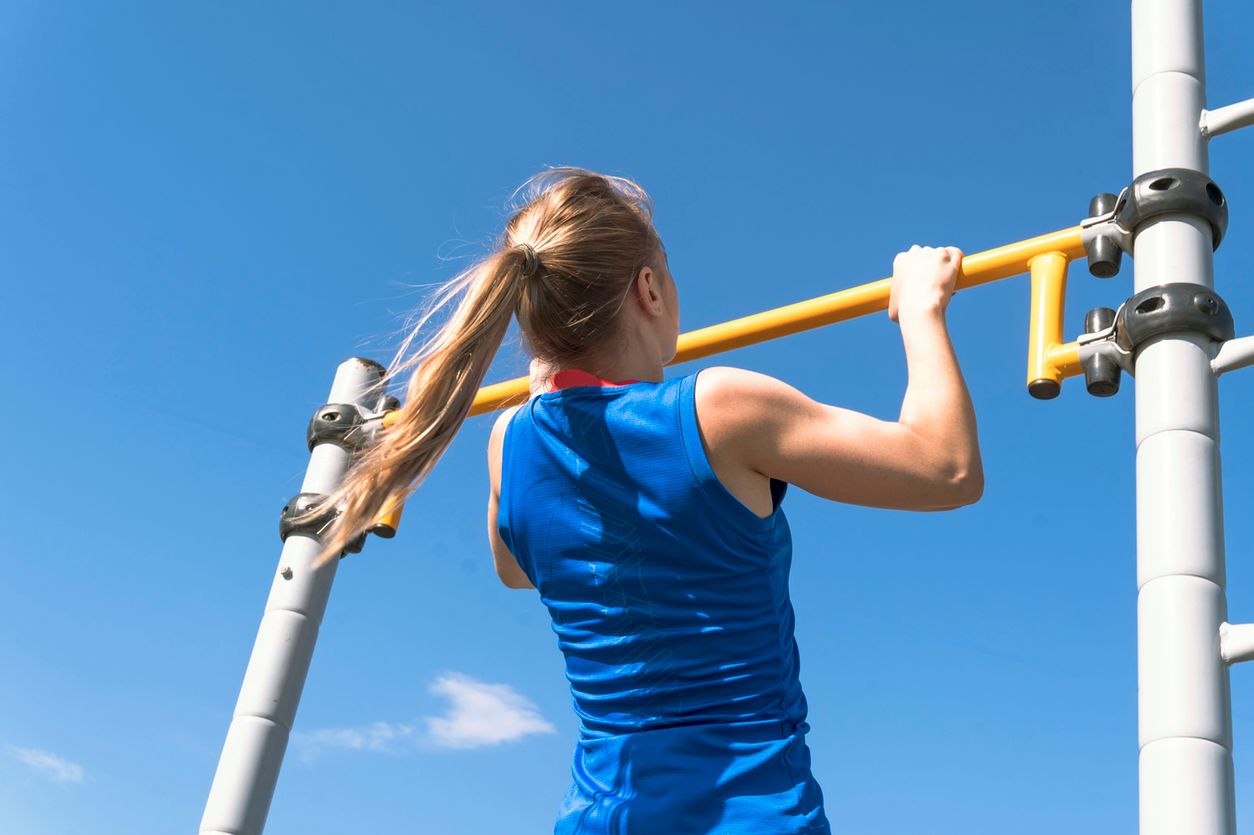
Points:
[669,596]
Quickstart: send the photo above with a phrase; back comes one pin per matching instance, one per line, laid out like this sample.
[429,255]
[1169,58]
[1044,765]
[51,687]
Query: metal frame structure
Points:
[1174,334]
[239,799]
[1184,704]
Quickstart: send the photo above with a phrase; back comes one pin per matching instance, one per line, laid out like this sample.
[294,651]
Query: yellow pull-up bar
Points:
[1049,359]
[978,268]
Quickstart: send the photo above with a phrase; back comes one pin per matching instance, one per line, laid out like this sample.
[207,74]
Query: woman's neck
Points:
[634,360]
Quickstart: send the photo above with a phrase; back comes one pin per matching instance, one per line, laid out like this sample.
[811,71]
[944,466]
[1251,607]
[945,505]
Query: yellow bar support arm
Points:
[389,519]
[386,523]
[1049,289]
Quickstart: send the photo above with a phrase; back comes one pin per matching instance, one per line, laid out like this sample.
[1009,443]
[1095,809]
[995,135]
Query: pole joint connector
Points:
[1173,308]
[307,514]
[347,425]
[1113,221]
[1112,338]
[351,427]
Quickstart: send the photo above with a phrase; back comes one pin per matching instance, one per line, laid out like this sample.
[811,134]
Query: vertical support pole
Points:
[1185,724]
[248,769]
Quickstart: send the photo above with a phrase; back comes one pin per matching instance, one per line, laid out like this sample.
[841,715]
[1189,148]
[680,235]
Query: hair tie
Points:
[531,262]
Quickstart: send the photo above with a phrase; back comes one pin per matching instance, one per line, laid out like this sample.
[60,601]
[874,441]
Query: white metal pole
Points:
[1224,119]
[1186,780]
[239,798]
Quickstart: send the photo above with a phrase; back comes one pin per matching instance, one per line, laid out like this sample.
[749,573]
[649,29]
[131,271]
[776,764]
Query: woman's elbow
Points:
[955,483]
[966,484]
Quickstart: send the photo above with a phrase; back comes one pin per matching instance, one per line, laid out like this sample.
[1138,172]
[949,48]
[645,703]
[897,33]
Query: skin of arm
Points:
[936,404]
[507,567]
[928,459]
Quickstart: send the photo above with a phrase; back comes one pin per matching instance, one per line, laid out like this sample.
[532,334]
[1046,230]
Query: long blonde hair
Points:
[563,265]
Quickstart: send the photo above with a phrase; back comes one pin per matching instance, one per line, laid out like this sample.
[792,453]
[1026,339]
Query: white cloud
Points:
[482,714]
[48,764]
[479,715]
[379,736]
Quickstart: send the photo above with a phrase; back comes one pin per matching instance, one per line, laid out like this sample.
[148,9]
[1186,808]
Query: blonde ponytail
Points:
[563,266]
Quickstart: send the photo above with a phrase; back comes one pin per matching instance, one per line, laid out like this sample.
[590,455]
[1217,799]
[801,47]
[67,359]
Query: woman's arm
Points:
[507,567]
[929,459]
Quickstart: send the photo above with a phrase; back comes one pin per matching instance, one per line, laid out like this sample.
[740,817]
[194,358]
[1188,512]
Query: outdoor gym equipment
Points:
[1174,333]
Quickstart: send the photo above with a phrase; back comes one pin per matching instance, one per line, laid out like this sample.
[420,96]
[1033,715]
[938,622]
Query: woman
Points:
[647,511]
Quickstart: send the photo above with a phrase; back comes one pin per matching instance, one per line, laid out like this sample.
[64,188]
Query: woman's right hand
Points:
[923,281]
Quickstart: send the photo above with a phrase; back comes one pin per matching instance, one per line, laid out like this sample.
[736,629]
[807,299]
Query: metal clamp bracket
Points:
[347,425]
[298,506]
[290,521]
[350,427]
[1111,338]
[1114,221]
[342,424]
[1173,308]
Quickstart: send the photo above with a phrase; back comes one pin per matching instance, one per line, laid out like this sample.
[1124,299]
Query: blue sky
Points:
[204,208]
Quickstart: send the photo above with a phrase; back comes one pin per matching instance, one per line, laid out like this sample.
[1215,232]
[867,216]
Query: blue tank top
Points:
[669,598]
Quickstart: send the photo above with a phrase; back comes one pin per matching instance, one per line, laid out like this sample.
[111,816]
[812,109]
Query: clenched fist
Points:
[923,281]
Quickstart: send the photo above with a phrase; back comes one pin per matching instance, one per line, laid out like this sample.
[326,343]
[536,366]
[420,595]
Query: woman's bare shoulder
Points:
[495,442]
[727,377]
[739,399]
[736,407]
[502,420]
